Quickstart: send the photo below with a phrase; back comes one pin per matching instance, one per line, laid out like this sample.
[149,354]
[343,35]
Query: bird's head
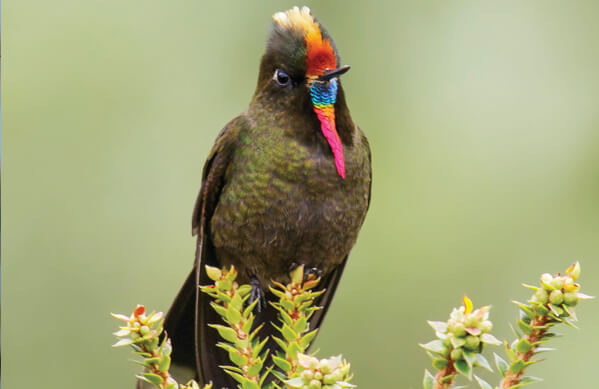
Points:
[300,69]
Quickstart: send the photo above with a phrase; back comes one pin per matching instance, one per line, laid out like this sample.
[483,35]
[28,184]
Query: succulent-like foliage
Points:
[142,332]
[240,340]
[457,349]
[332,373]
[291,367]
[459,343]
[295,306]
[552,303]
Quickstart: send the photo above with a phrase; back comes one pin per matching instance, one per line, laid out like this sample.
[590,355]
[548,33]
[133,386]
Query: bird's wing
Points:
[195,353]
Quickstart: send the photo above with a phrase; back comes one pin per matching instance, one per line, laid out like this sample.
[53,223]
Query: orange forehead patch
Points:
[319,52]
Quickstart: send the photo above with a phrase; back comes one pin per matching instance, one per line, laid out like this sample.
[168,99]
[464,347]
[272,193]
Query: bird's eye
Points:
[282,78]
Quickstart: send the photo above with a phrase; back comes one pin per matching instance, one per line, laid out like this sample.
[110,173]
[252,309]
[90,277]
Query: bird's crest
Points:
[320,54]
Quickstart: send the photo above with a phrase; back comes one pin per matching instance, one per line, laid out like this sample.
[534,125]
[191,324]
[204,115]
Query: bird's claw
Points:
[313,272]
[257,294]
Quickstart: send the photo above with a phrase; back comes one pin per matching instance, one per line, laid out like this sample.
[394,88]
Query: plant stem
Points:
[538,332]
[442,380]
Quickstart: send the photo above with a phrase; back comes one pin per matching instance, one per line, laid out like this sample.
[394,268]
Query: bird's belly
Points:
[264,233]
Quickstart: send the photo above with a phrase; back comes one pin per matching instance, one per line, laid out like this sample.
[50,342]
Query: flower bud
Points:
[471,321]
[574,271]
[472,342]
[457,328]
[339,375]
[329,379]
[456,354]
[325,367]
[318,376]
[541,296]
[447,341]
[571,299]
[315,384]
[144,330]
[547,278]
[307,376]
[558,282]
[486,326]
[556,297]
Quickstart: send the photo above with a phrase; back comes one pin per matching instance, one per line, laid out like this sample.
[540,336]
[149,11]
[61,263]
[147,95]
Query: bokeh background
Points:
[484,126]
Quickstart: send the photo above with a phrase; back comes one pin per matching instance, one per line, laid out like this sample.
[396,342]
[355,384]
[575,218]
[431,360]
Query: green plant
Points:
[291,366]
[459,344]
[457,350]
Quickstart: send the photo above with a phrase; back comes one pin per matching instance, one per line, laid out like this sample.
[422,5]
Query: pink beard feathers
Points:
[326,115]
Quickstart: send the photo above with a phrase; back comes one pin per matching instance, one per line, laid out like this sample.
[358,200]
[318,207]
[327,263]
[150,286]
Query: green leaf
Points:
[583,296]
[501,364]
[490,339]
[470,358]
[258,347]
[233,315]
[288,305]
[247,384]
[526,309]
[525,327]
[152,378]
[296,382]
[222,311]
[517,366]
[244,290]
[265,375]
[429,380]
[438,326]
[238,377]
[255,368]
[247,326]
[447,378]
[463,368]
[511,354]
[237,302]
[543,349]
[306,339]
[227,333]
[238,359]
[529,380]
[482,383]
[165,363]
[436,346]
[123,342]
[288,333]
[440,363]
[284,316]
[281,343]
[248,310]
[300,325]
[482,362]
[523,346]
[292,350]
[282,364]
[457,342]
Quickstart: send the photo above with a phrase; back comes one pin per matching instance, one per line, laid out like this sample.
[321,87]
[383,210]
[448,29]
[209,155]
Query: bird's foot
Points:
[309,274]
[257,294]
[312,273]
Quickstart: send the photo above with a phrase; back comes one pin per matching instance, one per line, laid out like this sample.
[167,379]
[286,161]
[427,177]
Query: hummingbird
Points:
[286,183]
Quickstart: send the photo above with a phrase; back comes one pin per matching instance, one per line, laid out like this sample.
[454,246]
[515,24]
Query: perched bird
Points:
[287,183]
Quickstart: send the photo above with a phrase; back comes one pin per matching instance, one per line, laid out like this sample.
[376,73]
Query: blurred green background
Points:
[483,119]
